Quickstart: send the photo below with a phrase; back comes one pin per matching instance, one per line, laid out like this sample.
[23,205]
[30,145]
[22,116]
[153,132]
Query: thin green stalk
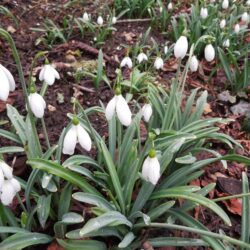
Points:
[43,89]
[45,133]
[21,203]
[195,230]
[231,197]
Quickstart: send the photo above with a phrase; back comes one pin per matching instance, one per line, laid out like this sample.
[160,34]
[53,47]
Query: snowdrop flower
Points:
[165,49]
[7,83]
[147,112]
[237,28]
[160,9]
[114,20]
[151,168]
[74,135]
[244,17]
[100,20]
[226,43]
[126,61]
[85,17]
[222,23]
[142,57]
[225,4]
[194,63]
[9,186]
[37,104]
[170,6]
[48,74]
[248,3]
[212,1]
[203,13]
[181,47]
[209,52]
[119,106]
[158,63]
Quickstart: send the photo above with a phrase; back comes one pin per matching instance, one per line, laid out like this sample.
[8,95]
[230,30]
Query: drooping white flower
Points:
[147,112]
[48,74]
[225,4]
[160,9]
[158,64]
[7,83]
[181,47]
[119,106]
[222,23]
[6,170]
[142,57]
[194,63]
[212,1]
[237,28]
[74,135]
[248,3]
[114,20]
[245,17]
[85,17]
[226,43]
[37,104]
[151,168]
[170,6]
[165,49]
[126,61]
[209,52]
[100,20]
[203,13]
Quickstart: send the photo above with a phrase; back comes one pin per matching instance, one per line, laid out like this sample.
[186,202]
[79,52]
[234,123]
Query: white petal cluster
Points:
[245,17]
[74,135]
[170,6]
[209,52]
[248,3]
[222,23]
[85,17]
[119,105]
[194,63]
[181,47]
[151,170]
[126,61]
[147,112]
[142,57]
[226,43]
[9,186]
[7,83]
[225,4]
[158,64]
[37,104]
[114,20]
[203,13]
[48,74]
[100,20]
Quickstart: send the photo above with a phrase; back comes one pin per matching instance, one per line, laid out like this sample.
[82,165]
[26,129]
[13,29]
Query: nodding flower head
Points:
[48,74]
[7,83]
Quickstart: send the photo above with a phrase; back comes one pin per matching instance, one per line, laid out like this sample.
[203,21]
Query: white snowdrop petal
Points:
[129,62]
[209,53]
[145,169]
[110,109]
[7,170]
[194,64]
[57,76]
[4,86]
[147,112]
[70,140]
[158,64]
[49,76]
[37,104]
[100,20]
[83,138]
[123,111]
[1,178]
[10,77]
[8,193]
[41,74]
[181,47]
[225,4]
[154,170]
[15,184]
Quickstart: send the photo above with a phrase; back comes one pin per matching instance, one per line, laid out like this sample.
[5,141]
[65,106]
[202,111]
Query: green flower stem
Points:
[195,230]
[45,133]
[21,203]
[11,42]
[43,89]
[231,197]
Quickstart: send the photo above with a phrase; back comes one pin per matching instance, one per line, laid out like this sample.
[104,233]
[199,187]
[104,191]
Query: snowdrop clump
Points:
[151,168]
[9,186]
[119,106]
[48,74]
[74,135]
[7,83]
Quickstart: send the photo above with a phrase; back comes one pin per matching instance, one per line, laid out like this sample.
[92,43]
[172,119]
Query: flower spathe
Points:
[9,186]
[37,104]
[119,106]
[48,74]
[142,57]
[74,135]
[203,13]
[158,64]
[151,169]
[209,52]
[194,63]
[147,112]
[7,83]
[126,61]
[181,47]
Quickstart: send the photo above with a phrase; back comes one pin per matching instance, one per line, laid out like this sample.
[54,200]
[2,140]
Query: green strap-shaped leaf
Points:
[82,244]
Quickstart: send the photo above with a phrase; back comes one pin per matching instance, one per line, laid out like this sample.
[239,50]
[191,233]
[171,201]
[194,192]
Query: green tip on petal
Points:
[152,153]
[118,91]
[75,121]
[32,89]
[46,61]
